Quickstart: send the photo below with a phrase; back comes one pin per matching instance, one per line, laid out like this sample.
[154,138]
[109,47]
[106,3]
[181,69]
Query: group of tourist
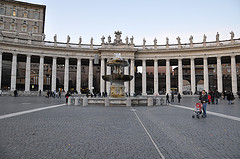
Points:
[179,97]
[53,94]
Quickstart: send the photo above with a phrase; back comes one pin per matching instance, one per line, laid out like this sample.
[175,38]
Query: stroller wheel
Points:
[193,116]
[198,116]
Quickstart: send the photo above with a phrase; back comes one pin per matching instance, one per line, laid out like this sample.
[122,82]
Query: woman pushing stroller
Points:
[204,100]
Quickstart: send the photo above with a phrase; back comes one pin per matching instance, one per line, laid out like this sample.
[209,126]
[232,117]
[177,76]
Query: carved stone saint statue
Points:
[232,35]
[43,37]
[55,38]
[131,39]
[155,41]
[217,37]
[102,39]
[204,38]
[126,40]
[91,41]
[109,39]
[179,40]
[80,40]
[68,39]
[167,41]
[144,41]
[191,39]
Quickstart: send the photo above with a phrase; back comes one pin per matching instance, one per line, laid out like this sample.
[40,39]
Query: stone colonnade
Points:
[130,86]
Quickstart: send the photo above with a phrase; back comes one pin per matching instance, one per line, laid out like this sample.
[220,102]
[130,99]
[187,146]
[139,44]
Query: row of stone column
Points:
[126,71]
[193,82]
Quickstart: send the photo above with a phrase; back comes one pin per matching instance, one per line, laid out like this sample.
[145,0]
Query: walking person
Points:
[172,97]
[204,100]
[217,96]
[67,96]
[167,99]
[179,97]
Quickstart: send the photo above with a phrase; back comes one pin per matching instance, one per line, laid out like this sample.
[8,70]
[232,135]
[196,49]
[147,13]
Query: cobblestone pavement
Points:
[116,132]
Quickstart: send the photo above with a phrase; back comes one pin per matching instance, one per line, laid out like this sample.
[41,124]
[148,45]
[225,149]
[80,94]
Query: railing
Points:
[19,40]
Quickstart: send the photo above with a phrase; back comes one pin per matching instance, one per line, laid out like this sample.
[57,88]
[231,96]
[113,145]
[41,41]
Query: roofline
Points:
[25,3]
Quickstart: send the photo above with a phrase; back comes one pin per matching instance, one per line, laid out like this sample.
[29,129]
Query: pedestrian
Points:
[48,93]
[209,98]
[172,97]
[217,96]
[15,93]
[59,94]
[228,94]
[212,97]
[167,99]
[232,98]
[179,97]
[204,100]
[0,92]
[67,96]
[40,92]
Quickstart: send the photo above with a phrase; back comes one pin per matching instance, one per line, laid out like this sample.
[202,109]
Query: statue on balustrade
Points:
[55,38]
[91,41]
[68,39]
[191,39]
[144,41]
[232,35]
[217,37]
[43,37]
[167,41]
[80,40]
[103,39]
[131,39]
[179,40]
[155,42]
[109,39]
[204,38]
[126,40]
[117,39]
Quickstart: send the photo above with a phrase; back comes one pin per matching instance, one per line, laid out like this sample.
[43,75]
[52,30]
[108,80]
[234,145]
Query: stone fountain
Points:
[117,78]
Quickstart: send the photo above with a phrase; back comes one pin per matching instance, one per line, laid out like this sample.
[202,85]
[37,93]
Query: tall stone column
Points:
[193,79]
[27,73]
[14,72]
[205,74]
[144,78]
[54,73]
[219,75]
[180,77]
[108,83]
[41,69]
[90,75]
[126,84]
[234,75]
[79,76]
[168,76]
[0,70]
[132,82]
[102,73]
[155,77]
[66,74]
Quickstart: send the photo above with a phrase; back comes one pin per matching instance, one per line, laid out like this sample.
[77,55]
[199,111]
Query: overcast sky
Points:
[141,18]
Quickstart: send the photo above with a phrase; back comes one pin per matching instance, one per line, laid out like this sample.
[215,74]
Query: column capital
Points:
[233,56]
[67,57]
[205,58]
[155,59]
[14,53]
[79,58]
[192,58]
[219,57]
[54,57]
[41,56]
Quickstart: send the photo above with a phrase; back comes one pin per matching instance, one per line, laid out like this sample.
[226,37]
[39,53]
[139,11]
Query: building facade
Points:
[29,63]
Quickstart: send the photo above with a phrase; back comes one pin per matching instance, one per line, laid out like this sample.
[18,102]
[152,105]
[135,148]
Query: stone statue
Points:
[217,36]
[91,41]
[144,42]
[126,40]
[131,39]
[55,38]
[109,39]
[179,40]
[118,39]
[204,38]
[191,39]
[102,39]
[155,41]
[167,41]
[68,39]
[80,40]
[232,35]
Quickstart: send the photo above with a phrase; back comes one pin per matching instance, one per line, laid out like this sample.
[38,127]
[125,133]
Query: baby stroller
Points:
[198,110]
